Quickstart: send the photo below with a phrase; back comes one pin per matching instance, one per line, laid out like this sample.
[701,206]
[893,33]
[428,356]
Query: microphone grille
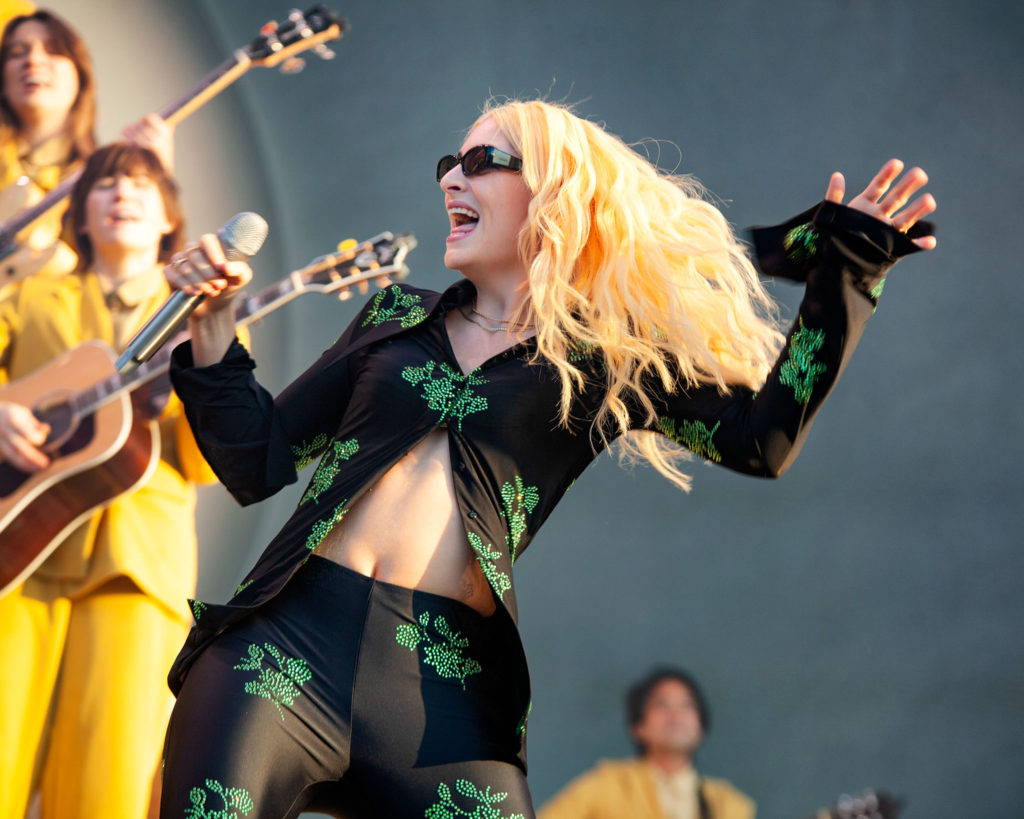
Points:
[243,235]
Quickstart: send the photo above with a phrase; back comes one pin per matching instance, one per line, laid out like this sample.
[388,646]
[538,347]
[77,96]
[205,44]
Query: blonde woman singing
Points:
[369,664]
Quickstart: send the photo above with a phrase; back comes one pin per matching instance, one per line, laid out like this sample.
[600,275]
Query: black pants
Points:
[356,698]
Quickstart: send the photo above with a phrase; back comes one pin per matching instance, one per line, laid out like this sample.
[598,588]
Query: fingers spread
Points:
[913,181]
[883,179]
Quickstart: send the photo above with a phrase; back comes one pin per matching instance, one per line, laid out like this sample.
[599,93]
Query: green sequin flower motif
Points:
[694,435]
[487,556]
[280,685]
[330,466]
[232,799]
[403,307]
[800,370]
[801,242]
[198,607]
[517,500]
[322,527]
[305,453]
[445,807]
[444,654]
[447,391]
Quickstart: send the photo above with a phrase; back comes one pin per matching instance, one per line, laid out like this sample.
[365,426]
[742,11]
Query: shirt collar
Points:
[460,293]
[135,290]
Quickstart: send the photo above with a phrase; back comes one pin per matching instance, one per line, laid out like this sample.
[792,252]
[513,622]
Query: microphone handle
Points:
[159,330]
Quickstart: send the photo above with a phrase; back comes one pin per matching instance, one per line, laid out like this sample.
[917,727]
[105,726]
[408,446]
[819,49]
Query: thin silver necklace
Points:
[502,325]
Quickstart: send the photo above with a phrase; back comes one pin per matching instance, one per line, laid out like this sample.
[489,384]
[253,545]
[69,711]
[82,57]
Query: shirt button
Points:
[462,466]
[472,515]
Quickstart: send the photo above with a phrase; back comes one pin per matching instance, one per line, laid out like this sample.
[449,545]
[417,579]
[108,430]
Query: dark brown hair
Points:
[113,160]
[67,43]
[640,692]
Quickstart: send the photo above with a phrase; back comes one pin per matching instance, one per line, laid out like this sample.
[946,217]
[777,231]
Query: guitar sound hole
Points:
[61,419]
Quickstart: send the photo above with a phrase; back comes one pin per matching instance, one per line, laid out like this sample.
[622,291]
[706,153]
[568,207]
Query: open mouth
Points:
[34,81]
[463,220]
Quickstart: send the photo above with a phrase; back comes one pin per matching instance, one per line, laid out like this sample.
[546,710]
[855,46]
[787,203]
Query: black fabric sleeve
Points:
[843,255]
[256,444]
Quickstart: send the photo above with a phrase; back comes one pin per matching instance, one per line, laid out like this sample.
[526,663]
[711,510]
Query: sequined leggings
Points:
[355,698]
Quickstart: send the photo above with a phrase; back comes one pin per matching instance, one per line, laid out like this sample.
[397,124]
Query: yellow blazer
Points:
[24,180]
[149,534]
[616,789]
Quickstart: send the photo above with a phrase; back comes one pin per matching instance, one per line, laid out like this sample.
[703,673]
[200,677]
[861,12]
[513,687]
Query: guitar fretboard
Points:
[250,309]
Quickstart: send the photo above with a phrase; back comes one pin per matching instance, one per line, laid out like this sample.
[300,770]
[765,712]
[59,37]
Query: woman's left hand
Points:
[889,203]
[154,133]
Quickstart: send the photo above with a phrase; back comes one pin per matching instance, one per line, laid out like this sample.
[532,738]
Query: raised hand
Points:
[888,202]
[154,133]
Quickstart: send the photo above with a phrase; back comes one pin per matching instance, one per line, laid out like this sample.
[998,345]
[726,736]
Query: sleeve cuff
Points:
[792,250]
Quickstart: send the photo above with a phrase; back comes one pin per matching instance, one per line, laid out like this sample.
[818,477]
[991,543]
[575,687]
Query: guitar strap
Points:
[702,802]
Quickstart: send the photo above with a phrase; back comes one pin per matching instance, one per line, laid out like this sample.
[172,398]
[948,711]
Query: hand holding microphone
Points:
[208,273]
[205,276]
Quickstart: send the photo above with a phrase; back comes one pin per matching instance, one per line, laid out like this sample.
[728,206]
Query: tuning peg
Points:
[324,52]
[347,245]
[384,281]
[344,295]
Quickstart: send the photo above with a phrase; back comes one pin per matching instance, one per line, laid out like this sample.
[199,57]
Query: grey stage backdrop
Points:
[856,623]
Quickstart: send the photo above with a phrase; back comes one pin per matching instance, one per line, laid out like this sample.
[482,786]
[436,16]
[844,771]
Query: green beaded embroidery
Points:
[487,556]
[445,807]
[330,466]
[443,654]
[694,435]
[322,527]
[243,586]
[800,370]
[801,242]
[448,392]
[281,685]
[404,308]
[517,500]
[521,728]
[231,797]
[305,453]
[198,607]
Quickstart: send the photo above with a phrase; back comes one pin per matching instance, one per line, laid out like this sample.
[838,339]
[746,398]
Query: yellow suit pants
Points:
[83,699]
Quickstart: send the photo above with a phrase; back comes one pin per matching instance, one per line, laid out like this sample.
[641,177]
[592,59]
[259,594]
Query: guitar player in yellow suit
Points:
[47,129]
[88,638]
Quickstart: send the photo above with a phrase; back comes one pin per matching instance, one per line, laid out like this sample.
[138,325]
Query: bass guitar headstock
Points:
[279,44]
[356,264]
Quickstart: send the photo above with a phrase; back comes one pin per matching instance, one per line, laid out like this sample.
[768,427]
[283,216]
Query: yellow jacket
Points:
[25,177]
[149,534]
[625,789]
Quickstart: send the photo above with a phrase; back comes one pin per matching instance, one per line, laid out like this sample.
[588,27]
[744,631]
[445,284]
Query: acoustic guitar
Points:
[99,447]
[24,251]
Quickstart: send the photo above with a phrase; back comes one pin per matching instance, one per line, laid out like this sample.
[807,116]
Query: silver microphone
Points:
[241,237]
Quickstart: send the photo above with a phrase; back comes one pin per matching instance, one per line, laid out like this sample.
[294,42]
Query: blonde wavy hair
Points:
[634,262]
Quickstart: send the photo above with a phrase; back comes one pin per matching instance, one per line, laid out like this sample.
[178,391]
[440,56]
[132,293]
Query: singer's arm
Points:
[256,443]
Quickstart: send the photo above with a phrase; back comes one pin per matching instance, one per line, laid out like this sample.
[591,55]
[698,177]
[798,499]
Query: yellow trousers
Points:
[83,699]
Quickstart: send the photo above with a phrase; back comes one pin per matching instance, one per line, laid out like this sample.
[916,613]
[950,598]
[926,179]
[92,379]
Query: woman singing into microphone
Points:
[369,664]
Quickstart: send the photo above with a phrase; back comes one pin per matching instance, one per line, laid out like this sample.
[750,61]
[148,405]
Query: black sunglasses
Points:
[478,159]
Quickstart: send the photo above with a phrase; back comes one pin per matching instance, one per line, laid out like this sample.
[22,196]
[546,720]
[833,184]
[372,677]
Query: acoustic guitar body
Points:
[94,459]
